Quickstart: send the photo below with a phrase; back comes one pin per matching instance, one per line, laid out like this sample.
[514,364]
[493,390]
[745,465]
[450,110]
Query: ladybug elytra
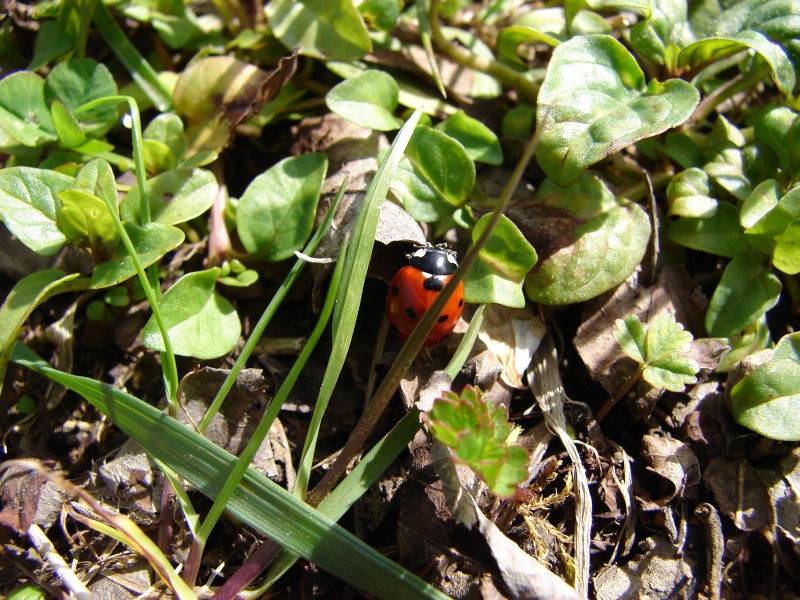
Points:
[415,287]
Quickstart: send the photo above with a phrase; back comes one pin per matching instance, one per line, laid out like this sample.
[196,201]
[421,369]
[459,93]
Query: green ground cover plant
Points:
[205,203]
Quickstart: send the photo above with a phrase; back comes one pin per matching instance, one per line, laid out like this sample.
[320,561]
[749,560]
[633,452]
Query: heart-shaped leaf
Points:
[594,102]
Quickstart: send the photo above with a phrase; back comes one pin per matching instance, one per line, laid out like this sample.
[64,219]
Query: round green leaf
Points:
[368,100]
[479,141]
[768,399]
[689,195]
[435,177]
[151,242]
[594,102]
[276,212]
[175,196]
[746,291]
[167,128]
[496,277]
[324,29]
[24,116]
[720,234]
[200,323]
[600,240]
[29,206]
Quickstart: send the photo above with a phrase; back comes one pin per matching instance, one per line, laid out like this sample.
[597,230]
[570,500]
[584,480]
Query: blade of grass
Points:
[258,502]
[141,71]
[269,312]
[348,300]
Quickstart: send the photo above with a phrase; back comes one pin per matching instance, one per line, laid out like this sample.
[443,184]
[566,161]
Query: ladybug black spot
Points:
[411,313]
[443,318]
[395,291]
[433,284]
[460,303]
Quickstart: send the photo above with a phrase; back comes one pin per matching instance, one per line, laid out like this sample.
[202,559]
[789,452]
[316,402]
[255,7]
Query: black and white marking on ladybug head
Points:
[435,260]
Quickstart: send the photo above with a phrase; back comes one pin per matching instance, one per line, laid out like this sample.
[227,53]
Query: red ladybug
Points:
[415,287]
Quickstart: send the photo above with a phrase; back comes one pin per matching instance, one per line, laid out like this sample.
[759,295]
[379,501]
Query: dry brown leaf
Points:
[512,335]
[739,492]
[676,465]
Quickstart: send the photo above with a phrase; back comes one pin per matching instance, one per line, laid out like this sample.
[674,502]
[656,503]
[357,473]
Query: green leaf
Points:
[768,399]
[25,297]
[510,39]
[762,200]
[660,37]
[778,127]
[200,323]
[594,102]
[151,243]
[24,116]
[746,291]
[67,129]
[324,29]
[598,240]
[479,141]
[78,82]
[276,212]
[380,14]
[368,100]
[435,177]
[689,195]
[476,430]
[158,158]
[781,227]
[720,234]
[717,48]
[683,149]
[167,128]
[52,42]
[175,197]
[85,220]
[660,349]
[29,206]
[505,260]
[726,169]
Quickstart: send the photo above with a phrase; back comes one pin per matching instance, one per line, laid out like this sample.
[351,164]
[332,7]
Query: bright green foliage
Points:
[768,399]
[435,177]
[594,101]
[659,350]
[276,212]
[175,197]
[369,100]
[604,238]
[479,141]
[200,322]
[688,195]
[331,29]
[477,432]
[505,260]
[27,592]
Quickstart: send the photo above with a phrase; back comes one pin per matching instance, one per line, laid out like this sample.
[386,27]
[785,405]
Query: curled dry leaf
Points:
[675,463]
[512,335]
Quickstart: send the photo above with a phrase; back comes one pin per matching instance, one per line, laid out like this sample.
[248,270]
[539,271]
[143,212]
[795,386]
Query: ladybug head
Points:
[436,260]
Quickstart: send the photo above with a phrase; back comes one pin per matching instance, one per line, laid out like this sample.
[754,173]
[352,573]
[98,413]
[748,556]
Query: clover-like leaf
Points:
[768,399]
[200,322]
[659,349]
[590,241]
[368,100]
[276,212]
[505,260]
[477,432]
[594,101]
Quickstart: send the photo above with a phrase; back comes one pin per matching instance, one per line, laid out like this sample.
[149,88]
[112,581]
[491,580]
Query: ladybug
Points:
[415,287]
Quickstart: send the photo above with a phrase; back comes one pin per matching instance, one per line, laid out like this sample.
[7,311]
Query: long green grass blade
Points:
[258,502]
